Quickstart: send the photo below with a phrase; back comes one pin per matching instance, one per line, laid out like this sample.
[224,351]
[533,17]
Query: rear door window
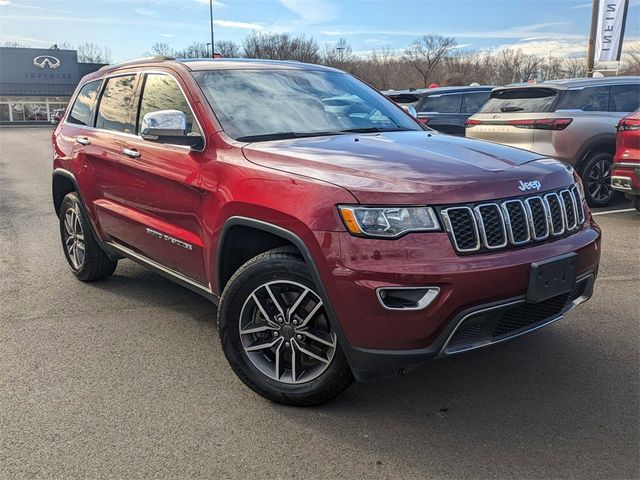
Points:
[161,92]
[472,102]
[624,98]
[442,103]
[589,99]
[520,100]
[84,105]
[114,109]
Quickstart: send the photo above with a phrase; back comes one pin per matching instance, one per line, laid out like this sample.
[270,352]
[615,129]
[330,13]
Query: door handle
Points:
[83,140]
[130,152]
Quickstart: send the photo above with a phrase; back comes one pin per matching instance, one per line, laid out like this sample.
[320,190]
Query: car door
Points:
[441,112]
[96,151]
[158,195]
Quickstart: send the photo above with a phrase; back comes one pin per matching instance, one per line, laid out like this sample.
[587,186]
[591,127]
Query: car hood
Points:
[412,167]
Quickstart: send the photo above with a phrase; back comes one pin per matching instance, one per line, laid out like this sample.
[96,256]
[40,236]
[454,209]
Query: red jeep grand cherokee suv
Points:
[338,238]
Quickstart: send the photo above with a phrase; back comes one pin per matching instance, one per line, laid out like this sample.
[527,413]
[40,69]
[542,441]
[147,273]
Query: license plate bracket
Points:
[552,277]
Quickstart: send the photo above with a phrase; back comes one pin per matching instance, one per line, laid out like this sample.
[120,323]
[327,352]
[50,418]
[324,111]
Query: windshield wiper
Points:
[264,137]
[375,130]
[511,109]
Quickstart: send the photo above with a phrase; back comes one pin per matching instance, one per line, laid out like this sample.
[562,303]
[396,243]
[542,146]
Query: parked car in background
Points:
[445,109]
[37,114]
[339,239]
[57,115]
[625,175]
[405,98]
[573,120]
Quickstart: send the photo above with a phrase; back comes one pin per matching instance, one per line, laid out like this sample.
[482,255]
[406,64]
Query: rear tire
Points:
[86,258]
[636,202]
[276,334]
[596,177]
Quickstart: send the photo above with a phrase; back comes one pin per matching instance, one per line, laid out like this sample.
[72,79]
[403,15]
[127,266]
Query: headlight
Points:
[388,222]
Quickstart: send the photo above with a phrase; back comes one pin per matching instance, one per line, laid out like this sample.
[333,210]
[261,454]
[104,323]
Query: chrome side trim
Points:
[165,271]
[625,164]
[589,278]
[621,183]
[426,300]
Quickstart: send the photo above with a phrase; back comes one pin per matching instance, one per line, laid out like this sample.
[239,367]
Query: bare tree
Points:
[92,53]
[195,50]
[281,46]
[426,52]
[338,55]
[160,48]
[631,57]
[228,49]
[13,45]
[573,67]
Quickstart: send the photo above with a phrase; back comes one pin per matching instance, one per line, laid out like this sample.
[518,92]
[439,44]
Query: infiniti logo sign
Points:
[524,186]
[46,61]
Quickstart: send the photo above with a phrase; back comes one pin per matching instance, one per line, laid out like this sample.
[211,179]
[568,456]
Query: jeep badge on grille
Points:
[534,185]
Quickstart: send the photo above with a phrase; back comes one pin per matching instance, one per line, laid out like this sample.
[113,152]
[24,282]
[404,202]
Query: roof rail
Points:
[155,58]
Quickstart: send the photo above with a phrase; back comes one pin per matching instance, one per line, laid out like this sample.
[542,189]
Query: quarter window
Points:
[624,98]
[161,92]
[115,104]
[472,102]
[84,105]
[589,99]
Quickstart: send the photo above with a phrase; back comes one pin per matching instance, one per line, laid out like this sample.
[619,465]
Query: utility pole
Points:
[213,45]
[592,38]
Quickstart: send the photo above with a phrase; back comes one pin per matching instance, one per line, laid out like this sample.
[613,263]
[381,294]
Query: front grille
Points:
[503,322]
[513,222]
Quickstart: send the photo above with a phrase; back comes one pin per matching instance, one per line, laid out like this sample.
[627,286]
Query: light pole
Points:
[213,48]
[549,67]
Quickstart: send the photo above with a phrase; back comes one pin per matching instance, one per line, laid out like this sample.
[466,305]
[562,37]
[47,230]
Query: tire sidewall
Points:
[231,303]
[72,200]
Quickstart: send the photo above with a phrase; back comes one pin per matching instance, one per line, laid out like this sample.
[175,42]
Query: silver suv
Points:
[573,120]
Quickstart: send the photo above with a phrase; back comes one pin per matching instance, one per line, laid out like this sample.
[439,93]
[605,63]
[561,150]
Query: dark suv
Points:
[337,238]
[445,109]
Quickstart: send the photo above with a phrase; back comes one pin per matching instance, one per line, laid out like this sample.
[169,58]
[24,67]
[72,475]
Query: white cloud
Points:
[215,3]
[167,35]
[312,12]
[27,40]
[144,12]
[233,24]
[4,2]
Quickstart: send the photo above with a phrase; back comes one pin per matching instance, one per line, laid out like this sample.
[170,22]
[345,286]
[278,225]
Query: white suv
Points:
[573,120]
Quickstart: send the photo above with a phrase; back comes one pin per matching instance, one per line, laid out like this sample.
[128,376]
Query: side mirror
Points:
[411,110]
[168,126]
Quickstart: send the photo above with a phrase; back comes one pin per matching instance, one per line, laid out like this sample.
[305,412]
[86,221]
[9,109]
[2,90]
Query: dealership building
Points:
[34,82]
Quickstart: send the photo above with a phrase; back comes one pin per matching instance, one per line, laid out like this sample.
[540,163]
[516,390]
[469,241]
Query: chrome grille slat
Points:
[513,222]
[516,220]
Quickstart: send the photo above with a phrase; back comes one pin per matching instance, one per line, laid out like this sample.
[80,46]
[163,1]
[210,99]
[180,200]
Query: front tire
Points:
[596,177]
[86,258]
[276,334]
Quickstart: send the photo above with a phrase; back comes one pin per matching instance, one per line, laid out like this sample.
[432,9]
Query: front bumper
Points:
[380,343]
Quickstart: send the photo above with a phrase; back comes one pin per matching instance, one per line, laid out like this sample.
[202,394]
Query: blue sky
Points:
[130,27]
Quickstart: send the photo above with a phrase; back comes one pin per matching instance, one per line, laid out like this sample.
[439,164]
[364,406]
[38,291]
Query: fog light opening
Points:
[407,298]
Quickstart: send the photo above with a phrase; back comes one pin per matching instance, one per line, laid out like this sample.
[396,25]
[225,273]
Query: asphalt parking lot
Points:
[125,378]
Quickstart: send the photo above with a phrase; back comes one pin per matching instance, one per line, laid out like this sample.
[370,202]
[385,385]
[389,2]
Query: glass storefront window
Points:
[4,112]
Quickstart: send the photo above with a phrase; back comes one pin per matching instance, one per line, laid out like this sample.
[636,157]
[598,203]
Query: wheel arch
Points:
[62,183]
[277,235]
[604,142]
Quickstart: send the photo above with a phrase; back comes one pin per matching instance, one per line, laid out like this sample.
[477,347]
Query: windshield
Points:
[520,100]
[255,105]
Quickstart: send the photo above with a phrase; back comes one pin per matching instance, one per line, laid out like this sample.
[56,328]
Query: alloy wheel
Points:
[285,332]
[599,181]
[74,237]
